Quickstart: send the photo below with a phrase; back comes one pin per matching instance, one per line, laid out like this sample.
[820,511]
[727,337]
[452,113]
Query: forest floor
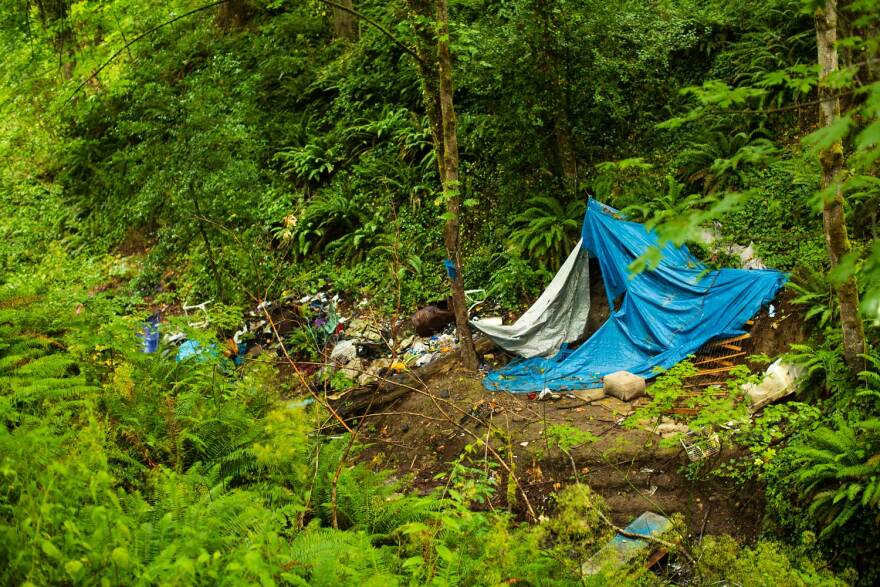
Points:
[419,435]
[427,428]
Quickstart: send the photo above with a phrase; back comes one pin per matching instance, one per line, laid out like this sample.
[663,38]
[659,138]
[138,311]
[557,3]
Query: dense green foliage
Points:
[248,159]
[123,466]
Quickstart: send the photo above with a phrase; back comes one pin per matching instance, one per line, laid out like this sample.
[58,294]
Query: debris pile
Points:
[320,332]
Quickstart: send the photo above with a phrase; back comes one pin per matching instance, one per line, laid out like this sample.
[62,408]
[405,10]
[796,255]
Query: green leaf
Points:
[827,136]
[444,553]
[50,549]
[120,556]
[73,568]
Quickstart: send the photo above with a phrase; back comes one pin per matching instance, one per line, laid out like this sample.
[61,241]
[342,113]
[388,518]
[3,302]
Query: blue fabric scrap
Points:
[450,269]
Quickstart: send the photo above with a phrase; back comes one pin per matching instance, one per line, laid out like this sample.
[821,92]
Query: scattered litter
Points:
[699,446]
[771,311]
[344,352]
[547,394]
[425,359]
[490,321]
[150,334]
[524,443]
[361,329]
[193,349]
[669,427]
[651,491]
[647,470]
[473,300]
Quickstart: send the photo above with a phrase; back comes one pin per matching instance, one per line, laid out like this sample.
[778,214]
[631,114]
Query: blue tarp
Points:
[665,314]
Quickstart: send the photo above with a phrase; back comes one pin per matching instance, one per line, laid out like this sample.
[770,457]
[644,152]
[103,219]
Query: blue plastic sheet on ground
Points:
[193,349]
[663,315]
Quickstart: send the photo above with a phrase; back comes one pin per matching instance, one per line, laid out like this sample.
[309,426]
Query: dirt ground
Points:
[424,431]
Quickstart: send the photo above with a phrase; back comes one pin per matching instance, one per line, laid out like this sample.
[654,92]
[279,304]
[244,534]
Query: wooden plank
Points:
[655,558]
[711,371]
[704,394]
[731,347]
[722,358]
[704,384]
[734,339]
[683,411]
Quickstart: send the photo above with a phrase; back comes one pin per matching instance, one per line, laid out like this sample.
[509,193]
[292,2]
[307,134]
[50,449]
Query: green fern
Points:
[839,469]
[547,229]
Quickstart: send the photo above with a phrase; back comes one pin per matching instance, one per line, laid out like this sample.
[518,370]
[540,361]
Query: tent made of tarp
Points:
[659,316]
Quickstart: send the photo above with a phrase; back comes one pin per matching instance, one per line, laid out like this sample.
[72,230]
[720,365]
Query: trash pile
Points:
[321,333]
[363,356]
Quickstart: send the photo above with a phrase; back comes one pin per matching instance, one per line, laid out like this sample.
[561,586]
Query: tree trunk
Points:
[831,159]
[344,24]
[421,9]
[54,14]
[550,63]
[232,14]
[451,192]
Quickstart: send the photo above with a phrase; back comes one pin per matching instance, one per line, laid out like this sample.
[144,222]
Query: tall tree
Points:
[451,187]
[832,162]
[552,66]
[54,15]
[232,14]
[437,93]
[344,24]
[425,34]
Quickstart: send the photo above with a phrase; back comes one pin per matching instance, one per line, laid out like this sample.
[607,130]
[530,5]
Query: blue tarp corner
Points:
[662,314]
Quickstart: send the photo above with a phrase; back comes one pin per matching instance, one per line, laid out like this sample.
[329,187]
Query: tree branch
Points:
[135,40]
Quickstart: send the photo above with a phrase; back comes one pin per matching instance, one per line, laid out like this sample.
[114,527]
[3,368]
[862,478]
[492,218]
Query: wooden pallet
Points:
[716,362]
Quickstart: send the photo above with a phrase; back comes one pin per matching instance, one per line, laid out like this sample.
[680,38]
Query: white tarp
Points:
[558,316]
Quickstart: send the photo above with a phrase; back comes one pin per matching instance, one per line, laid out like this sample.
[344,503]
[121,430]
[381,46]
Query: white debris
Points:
[779,380]
[344,352]
[624,385]
[490,321]
[669,427]
[746,254]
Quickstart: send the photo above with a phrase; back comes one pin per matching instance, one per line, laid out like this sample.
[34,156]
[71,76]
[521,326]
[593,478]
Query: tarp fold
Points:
[557,317]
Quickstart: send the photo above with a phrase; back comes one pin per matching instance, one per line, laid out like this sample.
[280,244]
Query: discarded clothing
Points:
[664,314]
[559,316]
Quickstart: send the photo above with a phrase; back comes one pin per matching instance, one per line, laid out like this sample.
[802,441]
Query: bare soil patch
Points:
[423,431]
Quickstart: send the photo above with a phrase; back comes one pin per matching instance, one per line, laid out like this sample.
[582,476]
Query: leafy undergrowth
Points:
[121,467]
